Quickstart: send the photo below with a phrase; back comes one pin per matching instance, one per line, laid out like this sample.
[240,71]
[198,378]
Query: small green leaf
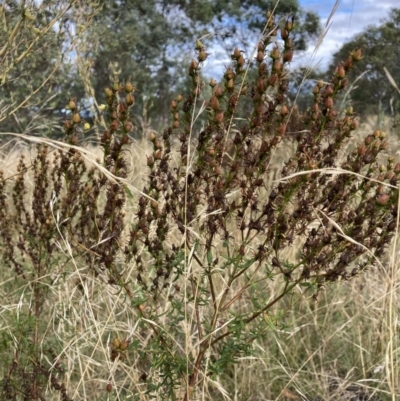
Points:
[209,258]
[128,192]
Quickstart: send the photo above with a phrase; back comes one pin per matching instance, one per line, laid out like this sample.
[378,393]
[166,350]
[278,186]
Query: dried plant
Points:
[210,231]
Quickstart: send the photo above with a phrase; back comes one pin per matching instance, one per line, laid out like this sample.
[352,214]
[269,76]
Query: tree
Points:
[152,41]
[35,71]
[373,93]
[53,54]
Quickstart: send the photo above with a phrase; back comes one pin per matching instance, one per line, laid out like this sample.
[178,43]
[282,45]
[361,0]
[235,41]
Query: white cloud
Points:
[350,18]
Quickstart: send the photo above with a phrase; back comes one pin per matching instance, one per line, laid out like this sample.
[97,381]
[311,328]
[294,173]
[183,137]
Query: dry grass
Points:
[349,337]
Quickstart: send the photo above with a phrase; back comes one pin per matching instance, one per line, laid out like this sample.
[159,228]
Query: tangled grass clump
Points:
[190,271]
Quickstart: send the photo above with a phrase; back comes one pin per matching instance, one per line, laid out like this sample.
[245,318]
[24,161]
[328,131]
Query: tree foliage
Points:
[55,54]
[151,41]
[36,46]
[373,93]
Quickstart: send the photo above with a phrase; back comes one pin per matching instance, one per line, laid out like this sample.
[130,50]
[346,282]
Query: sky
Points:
[350,18]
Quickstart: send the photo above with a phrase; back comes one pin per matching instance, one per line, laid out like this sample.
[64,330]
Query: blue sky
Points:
[350,18]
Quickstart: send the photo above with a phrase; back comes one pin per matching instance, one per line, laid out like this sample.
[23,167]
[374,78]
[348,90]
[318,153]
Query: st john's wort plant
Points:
[210,231]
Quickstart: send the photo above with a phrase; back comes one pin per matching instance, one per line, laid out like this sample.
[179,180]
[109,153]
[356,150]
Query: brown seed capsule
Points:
[109,387]
[284,34]
[202,55]
[328,91]
[376,144]
[275,53]
[357,55]
[261,85]
[340,71]
[129,87]
[288,56]
[377,133]
[67,125]
[328,103]
[122,107]
[116,343]
[229,74]
[214,103]
[236,54]
[368,140]
[260,56]
[260,109]
[128,126]
[289,24]
[241,61]
[219,117]
[263,69]
[230,84]
[284,110]
[150,161]
[348,63]
[72,104]
[273,79]
[158,143]
[129,99]
[193,67]
[389,175]
[76,118]
[362,150]
[218,92]
[124,345]
[315,107]
[383,199]
[114,125]
[74,139]
[275,140]
[109,93]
